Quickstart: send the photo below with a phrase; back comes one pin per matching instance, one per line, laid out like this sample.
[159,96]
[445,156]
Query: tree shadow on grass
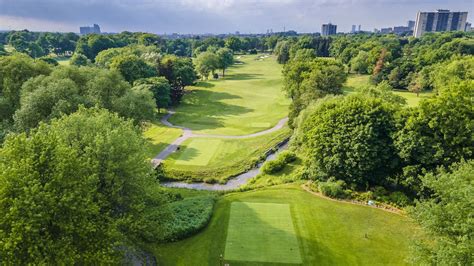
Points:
[303,243]
[243,76]
[205,109]
[186,154]
[204,84]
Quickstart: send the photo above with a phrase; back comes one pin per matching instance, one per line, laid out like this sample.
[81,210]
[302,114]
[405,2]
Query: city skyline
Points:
[213,16]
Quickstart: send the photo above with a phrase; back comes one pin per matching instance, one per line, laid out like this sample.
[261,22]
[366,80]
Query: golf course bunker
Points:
[261,232]
[199,152]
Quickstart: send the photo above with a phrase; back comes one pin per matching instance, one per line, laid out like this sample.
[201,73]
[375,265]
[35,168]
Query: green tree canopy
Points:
[206,63]
[76,191]
[160,88]
[446,217]
[349,138]
[225,59]
[132,67]
[439,131]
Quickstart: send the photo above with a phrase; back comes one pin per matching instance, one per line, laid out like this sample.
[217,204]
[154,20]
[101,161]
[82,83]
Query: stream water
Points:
[234,182]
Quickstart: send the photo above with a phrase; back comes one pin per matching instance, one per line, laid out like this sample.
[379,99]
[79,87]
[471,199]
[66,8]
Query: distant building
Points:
[386,30]
[441,20]
[360,28]
[468,27]
[401,29]
[89,30]
[328,29]
[353,29]
[411,24]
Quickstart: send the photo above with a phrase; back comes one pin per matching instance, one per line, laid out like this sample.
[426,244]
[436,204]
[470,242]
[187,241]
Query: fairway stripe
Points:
[261,232]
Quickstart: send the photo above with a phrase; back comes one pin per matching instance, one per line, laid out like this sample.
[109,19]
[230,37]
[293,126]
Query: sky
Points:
[215,16]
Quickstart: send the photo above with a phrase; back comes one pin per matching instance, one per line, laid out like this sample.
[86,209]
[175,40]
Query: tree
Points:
[360,63]
[206,63]
[417,84]
[282,51]
[76,191]
[79,60]
[14,71]
[233,43]
[349,138]
[438,132]
[446,217]
[225,59]
[137,103]
[65,89]
[132,67]
[160,88]
[308,80]
[179,71]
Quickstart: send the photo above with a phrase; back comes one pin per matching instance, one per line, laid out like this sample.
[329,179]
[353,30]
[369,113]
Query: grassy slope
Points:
[231,157]
[158,137]
[249,99]
[329,232]
[357,81]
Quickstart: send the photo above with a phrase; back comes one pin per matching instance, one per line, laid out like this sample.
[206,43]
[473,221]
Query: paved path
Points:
[188,133]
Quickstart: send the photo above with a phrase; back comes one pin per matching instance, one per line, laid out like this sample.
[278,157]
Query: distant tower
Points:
[328,29]
[353,29]
[359,28]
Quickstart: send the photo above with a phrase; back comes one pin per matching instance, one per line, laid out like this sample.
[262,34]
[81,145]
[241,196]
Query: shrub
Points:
[399,198]
[189,216]
[274,166]
[333,188]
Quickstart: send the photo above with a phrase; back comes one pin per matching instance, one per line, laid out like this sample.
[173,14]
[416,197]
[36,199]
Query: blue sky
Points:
[215,16]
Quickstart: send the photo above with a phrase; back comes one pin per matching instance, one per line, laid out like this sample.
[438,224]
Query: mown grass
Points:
[249,99]
[228,158]
[356,81]
[261,232]
[158,136]
[328,232]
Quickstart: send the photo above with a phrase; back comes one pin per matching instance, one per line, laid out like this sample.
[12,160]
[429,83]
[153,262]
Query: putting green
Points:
[261,232]
[198,152]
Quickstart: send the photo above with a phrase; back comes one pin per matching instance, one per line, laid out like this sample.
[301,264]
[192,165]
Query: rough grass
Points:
[229,158]
[328,232]
[356,81]
[249,99]
[261,232]
[158,137]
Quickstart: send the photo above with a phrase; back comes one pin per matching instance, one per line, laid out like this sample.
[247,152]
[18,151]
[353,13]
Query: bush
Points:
[189,216]
[274,166]
[333,188]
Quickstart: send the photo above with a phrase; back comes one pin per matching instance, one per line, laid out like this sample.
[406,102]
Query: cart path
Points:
[188,133]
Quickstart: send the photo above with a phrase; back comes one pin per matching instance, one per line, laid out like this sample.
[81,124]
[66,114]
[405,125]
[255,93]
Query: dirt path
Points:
[188,133]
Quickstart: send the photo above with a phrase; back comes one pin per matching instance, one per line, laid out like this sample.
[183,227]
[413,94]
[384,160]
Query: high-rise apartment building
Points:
[328,29]
[441,20]
[90,30]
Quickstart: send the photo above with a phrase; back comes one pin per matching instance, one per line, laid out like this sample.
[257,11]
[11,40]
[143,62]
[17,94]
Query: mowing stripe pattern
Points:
[261,232]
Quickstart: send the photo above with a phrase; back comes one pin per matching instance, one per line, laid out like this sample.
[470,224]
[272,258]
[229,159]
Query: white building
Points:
[441,20]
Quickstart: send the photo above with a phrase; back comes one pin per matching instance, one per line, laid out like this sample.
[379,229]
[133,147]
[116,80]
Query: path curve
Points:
[188,133]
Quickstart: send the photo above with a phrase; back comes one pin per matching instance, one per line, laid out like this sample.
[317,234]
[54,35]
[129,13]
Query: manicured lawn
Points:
[355,81]
[249,99]
[198,152]
[327,232]
[158,137]
[214,159]
[261,232]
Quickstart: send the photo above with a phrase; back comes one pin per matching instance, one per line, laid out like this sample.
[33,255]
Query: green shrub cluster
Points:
[333,188]
[274,166]
[189,216]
